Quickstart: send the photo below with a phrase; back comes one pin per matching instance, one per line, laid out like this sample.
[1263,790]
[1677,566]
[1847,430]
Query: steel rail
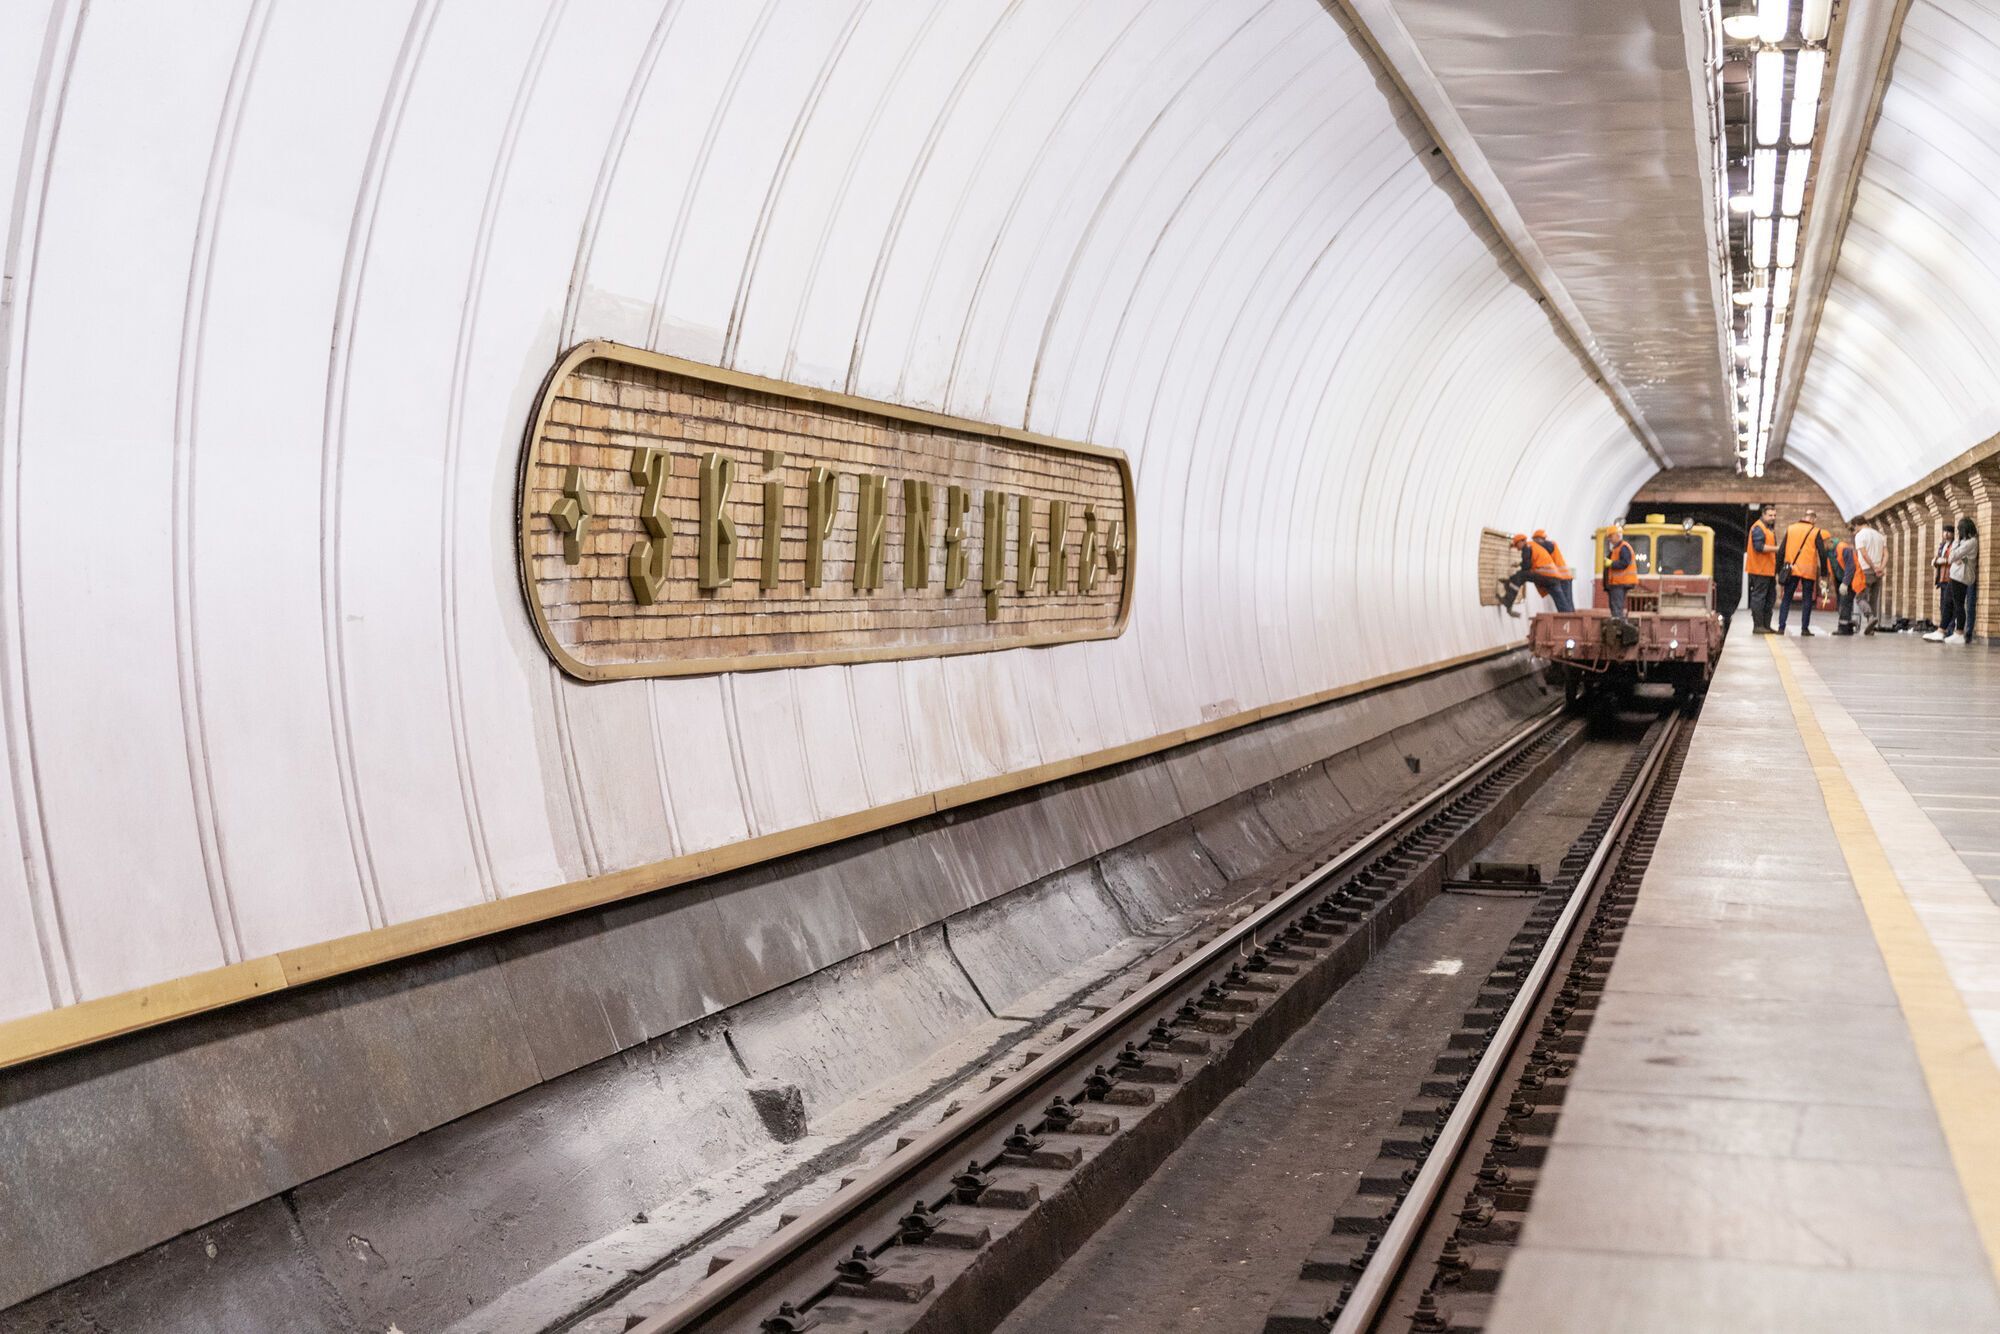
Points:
[1375,1283]
[996,1111]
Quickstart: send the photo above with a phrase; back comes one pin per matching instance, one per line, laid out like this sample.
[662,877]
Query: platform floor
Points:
[1787,1113]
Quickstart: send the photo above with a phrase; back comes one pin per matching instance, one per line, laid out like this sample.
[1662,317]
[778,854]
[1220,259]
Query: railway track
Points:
[960,1223]
[1432,1261]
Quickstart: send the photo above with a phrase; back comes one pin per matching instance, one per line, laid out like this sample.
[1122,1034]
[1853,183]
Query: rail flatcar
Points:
[1670,633]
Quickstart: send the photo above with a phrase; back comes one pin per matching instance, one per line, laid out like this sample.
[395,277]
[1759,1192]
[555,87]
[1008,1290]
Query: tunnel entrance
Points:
[1728,503]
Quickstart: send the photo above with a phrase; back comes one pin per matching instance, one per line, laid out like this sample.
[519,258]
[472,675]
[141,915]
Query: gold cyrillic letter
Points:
[774,517]
[1027,548]
[822,503]
[646,563]
[715,534]
[870,523]
[1058,546]
[916,534]
[954,538]
[993,558]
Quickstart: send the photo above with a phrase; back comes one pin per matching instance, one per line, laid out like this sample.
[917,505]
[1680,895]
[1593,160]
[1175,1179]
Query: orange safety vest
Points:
[1547,562]
[1765,561]
[1625,578]
[1802,550]
[1847,555]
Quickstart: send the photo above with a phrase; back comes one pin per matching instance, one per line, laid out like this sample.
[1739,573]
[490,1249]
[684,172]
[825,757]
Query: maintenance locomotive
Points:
[1670,632]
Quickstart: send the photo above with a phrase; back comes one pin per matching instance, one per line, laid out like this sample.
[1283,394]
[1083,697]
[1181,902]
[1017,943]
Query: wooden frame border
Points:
[602,350]
[35,1036]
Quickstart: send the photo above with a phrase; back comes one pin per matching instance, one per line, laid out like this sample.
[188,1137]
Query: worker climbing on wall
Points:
[1804,560]
[1621,570]
[1542,565]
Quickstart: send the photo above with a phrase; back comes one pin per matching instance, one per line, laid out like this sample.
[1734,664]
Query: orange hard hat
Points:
[1519,539]
[1541,532]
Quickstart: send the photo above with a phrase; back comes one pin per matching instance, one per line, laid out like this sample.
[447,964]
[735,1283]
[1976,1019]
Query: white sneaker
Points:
[1934,637]
[1956,639]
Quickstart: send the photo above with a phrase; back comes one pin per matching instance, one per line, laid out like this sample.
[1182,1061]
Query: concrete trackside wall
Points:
[402,1145]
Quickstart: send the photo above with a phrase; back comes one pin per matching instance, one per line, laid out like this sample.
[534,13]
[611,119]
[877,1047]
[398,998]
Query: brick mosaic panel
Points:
[614,401]
[1497,560]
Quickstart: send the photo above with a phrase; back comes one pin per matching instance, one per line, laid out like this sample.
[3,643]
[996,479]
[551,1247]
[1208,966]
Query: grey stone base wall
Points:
[402,1145]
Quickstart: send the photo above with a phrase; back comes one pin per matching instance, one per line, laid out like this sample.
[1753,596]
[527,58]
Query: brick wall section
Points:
[1496,561]
[604,409]
[1782,485]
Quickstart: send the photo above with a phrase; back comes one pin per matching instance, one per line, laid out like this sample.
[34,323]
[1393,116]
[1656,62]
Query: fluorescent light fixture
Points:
[1740,203]
[1798,165]
[1788,248]
[1807,75]
[1769,87]
[1774,19]
[1814,22]
[1763,181]
[1740,23]
[1781,292]
[1760,244]
[1743,351]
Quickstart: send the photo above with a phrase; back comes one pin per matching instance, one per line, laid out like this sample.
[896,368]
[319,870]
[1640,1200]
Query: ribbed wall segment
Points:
[284,281]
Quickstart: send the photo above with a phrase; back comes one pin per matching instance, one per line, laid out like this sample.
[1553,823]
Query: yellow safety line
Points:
[1964,1082]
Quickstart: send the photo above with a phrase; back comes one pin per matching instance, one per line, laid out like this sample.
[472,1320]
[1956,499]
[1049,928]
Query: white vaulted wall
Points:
[1905,370]
[282,280]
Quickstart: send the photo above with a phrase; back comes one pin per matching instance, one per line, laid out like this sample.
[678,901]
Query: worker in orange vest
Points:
[1760,563]
[1621,570]
[1849,581]
[1542,565]
[1803,556]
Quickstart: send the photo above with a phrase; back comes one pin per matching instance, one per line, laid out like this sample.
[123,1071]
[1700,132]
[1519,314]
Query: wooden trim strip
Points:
[39,1035]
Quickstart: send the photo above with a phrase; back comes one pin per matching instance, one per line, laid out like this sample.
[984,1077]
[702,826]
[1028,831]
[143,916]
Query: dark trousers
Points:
[1793,583]
[1555,590]
[1763,592]
[1945,607]
[1615,595]
[1958,608]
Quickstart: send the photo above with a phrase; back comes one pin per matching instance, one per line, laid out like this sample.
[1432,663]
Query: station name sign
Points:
[678,519]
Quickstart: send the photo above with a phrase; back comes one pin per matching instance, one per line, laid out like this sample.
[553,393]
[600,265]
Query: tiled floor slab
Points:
[1769,1210]
[1588,1292]
[1681,1123]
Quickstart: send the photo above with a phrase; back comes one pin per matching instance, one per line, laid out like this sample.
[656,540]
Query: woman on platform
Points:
[1962,591]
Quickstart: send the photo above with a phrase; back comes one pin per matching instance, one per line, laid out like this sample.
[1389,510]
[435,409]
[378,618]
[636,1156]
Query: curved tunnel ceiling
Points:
[1590,119]
[1903,370]
[278,307]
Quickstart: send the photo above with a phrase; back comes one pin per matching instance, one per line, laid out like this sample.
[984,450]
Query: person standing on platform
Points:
[1621,570]
[1846,574]
[1871,555]
[1542,565]
[1940,576]
[1963,571]
[1803,556]
[1760,563]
